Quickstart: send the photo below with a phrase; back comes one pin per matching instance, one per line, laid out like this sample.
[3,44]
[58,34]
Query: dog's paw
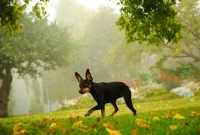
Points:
[135,112]
[87,115]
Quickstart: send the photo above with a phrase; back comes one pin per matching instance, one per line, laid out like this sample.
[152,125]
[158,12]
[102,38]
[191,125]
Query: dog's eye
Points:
[85,85]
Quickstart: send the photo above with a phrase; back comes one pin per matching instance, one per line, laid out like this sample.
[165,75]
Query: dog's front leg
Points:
[103,111]
[99,106]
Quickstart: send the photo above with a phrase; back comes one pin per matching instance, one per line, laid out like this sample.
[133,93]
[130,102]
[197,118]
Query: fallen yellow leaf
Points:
[23,132]
[156,118]
[113,132]
[141,123]
[178,116]
[53,126]
[109,125]
[17,128]
[173,127]
[77,124]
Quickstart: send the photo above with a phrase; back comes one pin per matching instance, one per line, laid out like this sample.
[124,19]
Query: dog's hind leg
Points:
[115,107]
[128,101]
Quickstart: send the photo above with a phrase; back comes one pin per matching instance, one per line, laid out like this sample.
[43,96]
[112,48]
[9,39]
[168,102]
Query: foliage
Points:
[41,46]
[47,48]
[146,78]
[194,86]
[173,117]
[149,21]
[11,11]
[188,48]
[170,82]
[186,70]
[131,59]
[153,93]
[183,92]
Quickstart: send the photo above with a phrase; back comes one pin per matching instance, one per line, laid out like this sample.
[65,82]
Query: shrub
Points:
[183,92]
[153,93]
[194,86]
[170,82]
[146,78]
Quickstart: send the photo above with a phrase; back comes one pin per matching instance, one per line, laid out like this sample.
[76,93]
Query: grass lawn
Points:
[177,117]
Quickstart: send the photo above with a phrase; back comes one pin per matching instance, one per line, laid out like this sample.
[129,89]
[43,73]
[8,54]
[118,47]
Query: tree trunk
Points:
[5,88]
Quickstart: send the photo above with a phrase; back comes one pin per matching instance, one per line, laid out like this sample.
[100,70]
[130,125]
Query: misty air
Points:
[66,65]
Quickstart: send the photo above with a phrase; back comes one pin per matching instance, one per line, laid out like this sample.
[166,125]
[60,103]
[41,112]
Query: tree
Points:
[41,46]
[12,10]
[183,59]
[188,47]
[151,21]
[101,34]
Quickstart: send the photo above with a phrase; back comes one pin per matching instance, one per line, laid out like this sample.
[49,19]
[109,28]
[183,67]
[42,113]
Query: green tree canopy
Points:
[151,21]
[12,10]
[40,46]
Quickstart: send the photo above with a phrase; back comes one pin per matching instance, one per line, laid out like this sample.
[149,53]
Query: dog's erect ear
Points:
[78,77]
[88,75]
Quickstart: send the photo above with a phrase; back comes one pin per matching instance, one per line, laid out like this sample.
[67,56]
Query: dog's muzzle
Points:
[81,92]
[84,90]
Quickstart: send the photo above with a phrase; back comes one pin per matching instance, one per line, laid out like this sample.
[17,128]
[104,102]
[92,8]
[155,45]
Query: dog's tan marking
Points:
[84,90]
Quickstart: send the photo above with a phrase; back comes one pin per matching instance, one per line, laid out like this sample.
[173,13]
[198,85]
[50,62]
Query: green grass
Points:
[72,122]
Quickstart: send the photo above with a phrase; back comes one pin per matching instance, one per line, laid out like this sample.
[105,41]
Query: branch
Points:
[187,53]
[189,42]
[190,55]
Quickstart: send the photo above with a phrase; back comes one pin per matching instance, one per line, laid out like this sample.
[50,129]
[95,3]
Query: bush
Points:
[153,93]
[194,86]
[170,82]
[183,92]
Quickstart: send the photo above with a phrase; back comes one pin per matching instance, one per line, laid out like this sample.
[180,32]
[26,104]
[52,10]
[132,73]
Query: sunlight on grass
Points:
[178,116]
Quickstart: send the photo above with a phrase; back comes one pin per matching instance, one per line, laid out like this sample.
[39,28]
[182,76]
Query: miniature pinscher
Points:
[104,93]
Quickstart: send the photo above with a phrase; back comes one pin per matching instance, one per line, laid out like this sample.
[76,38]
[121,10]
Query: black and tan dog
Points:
[104,93]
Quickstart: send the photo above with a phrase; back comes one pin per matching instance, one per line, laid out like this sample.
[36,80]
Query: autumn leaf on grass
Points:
[108,125]
[113,132]
[184,124]
[134,132]
[56,126]
[178,116]
[194,113]
[173,127]
[156,118]
[141,123]
[17,128]
[77,124]
[23,132]
[53,126]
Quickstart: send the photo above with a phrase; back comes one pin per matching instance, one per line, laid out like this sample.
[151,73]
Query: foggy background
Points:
[77,15]
[101,48]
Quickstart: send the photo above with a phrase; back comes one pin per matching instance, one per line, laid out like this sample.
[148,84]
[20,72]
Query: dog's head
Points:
[85,85]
